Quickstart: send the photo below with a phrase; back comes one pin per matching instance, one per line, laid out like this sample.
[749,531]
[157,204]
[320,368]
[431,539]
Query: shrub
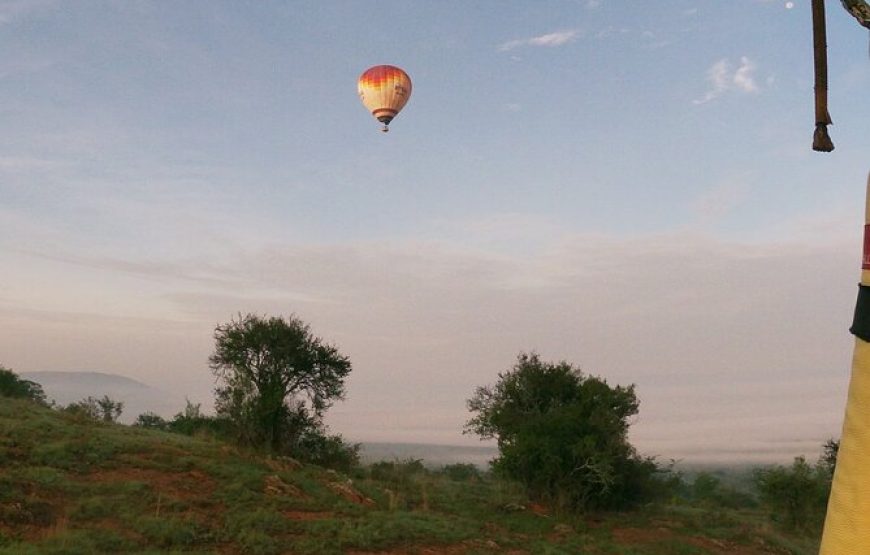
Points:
[104,409]
[797,495]
[11,385]
[191,421]
[564,435]
[461,472]
[151,421]
[707,489]
[316,446]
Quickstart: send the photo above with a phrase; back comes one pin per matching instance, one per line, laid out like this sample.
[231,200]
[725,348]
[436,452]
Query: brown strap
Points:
[821,141]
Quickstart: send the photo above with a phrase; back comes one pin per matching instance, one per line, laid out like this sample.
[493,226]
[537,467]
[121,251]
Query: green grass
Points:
[69,486]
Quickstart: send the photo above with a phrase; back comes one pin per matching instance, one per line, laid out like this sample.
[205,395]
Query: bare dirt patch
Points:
[274,485]
[308,515]
[181,485]
[640,536]
[470,546]
[348,492]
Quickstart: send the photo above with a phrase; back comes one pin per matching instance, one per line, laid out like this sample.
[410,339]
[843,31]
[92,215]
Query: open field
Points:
[70,486]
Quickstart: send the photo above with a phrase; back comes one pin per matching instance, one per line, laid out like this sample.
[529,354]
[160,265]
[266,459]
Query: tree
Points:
[151,420]
[563,435]
[276,378]
[797,496]
[104,409]
[12,385]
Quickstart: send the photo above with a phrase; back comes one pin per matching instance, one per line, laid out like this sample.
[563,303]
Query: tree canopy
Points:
[563,434]
[12,385]
[275,378]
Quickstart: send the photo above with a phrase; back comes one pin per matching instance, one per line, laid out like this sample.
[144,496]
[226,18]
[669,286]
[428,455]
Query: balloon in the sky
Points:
[384,90]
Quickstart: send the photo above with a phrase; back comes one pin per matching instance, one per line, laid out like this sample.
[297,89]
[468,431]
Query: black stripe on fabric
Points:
[861,322]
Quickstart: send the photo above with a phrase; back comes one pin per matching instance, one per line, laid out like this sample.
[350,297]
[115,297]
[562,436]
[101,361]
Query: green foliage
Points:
[151,420]
[276,379]
[70,486]
[381,530]
[708,490]
[255,530]
[104,409]
[192,422]
[168,532]
[11,385]
[316,446]
[796,496]
[462,472]
[828,460]
[564,435]
[397,472]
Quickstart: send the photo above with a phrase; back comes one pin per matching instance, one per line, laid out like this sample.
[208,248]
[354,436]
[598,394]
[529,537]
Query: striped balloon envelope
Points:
[384,90]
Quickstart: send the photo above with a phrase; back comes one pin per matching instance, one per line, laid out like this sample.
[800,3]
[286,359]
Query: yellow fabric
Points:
[847,526]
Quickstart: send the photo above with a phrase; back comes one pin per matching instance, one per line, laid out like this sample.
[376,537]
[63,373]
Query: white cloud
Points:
[743,76]
[557,38]
[723,78]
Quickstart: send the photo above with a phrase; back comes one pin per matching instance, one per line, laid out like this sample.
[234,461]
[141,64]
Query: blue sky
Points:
[626,187]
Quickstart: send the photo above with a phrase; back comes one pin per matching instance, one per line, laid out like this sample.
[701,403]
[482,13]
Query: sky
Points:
[626,187]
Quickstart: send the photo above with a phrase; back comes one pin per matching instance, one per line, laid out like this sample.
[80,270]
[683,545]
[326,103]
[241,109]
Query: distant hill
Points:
[69,387]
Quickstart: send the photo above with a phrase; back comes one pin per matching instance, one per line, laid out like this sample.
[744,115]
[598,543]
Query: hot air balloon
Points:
[384,90]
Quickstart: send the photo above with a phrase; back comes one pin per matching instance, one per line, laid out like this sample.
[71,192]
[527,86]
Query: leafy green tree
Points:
[275,377]
[108,409]
[12,385]
[151,420]
[828,460]
[797,496]
[192,422]
[563,434]
[104,409]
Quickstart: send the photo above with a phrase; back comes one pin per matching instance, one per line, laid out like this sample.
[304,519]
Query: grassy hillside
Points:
[70,486]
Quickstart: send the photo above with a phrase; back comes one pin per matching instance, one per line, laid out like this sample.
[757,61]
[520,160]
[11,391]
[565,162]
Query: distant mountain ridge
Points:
[84,377]
[69,387]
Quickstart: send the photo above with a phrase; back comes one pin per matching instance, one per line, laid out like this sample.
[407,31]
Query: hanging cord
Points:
[821,141]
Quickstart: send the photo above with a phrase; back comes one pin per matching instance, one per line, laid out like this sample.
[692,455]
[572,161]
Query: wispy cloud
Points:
[723,78]
[557,38]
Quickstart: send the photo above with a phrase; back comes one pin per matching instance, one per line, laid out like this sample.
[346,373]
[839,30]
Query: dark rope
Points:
[821,140]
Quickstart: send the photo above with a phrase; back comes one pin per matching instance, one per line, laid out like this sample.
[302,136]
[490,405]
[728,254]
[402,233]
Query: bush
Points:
[11,385]
[564,435]
[398,472]
[461,472]
[104,409]
[191,421]
[796,496]
[151,421]
[317,446]
[708,490]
